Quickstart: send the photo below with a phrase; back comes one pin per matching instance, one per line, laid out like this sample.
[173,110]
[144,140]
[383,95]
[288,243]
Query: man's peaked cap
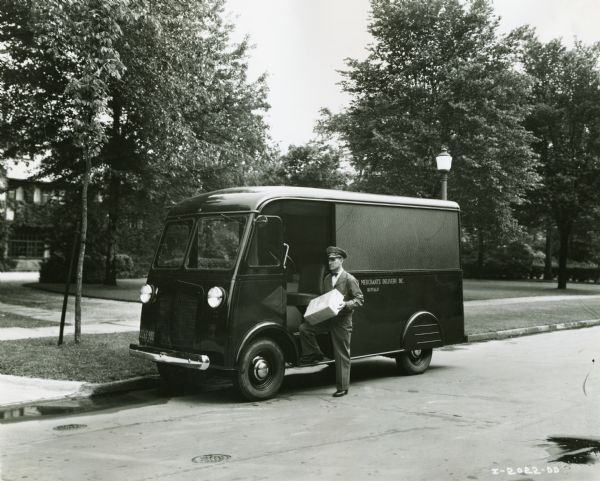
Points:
[336,251]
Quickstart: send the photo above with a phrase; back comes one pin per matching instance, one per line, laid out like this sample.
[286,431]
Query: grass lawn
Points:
[98,358]
[15,320]
[478,289]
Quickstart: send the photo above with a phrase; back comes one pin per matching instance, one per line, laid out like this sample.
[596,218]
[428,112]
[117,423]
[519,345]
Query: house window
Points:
[37,195]
[20,195]
[30,246]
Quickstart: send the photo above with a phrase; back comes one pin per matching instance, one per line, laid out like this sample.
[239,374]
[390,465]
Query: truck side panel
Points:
[407,260]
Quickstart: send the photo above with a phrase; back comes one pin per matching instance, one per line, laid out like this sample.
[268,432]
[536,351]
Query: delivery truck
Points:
[235,270]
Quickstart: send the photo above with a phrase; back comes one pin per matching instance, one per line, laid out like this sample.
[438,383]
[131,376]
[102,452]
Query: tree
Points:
[315,164]
[59,58]
[184,113]
[181,118]
[147,100]
[438,74]
[566,121]
[84,33]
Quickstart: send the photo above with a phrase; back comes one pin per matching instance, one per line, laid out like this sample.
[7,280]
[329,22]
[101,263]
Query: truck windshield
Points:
[173,244]
[216,242]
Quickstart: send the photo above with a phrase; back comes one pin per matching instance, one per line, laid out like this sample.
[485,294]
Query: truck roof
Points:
[252,199]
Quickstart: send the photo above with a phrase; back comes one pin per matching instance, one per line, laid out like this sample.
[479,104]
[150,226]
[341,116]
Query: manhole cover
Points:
[69,427]
[211,458]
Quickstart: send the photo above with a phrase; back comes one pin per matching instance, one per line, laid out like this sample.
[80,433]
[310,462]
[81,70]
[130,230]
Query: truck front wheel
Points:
[260,371]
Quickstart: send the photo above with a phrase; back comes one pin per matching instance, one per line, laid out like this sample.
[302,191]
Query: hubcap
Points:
[415,355]
[260,368]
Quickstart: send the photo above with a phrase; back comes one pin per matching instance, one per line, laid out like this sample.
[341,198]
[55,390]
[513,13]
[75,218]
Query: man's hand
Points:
[341,306]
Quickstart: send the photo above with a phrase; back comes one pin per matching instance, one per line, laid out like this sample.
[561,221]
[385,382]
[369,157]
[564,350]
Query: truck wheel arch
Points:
[273,331]
[422,331]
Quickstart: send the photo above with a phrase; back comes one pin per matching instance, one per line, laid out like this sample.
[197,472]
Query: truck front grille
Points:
[178,321]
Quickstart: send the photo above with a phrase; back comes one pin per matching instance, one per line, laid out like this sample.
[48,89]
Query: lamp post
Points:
[444,163]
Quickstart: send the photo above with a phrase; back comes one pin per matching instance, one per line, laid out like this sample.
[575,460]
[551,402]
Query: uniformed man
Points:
[340,326]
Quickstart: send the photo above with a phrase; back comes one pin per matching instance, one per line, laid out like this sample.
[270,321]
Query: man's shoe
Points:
[340,393]
[311,358]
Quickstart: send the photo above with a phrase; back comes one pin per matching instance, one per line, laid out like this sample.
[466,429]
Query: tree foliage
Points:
[566,122]
[180,117]
[82,35]
[314,164]
[147,99]
[438,74]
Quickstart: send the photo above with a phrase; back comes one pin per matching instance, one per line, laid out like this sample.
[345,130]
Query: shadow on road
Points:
[216,390]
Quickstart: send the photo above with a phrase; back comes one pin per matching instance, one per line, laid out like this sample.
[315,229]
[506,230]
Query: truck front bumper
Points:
[192,361]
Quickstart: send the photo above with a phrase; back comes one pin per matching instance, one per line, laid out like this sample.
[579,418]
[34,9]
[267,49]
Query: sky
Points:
[301,44]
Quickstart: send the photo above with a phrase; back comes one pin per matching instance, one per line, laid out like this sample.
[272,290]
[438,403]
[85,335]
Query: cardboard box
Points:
[324,307]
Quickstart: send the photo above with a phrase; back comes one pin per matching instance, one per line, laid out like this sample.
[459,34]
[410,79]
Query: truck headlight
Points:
[215,296]
[147,293]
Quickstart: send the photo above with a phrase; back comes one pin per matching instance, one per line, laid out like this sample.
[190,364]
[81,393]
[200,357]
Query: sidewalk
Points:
[100,316]
[485,319]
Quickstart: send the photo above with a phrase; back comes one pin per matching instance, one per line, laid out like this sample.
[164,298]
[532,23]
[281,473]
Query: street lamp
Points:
[444,163]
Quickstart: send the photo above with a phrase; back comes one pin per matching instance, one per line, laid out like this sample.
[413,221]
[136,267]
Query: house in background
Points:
[23,244]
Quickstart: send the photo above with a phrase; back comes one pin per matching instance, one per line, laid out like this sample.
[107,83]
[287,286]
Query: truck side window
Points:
[266,249]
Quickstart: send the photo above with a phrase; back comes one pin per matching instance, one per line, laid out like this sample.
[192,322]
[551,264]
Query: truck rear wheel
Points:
[414,362]
[261,370]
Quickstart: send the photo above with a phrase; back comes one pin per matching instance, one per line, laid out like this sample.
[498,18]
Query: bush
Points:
[55,268]
[582,272]
[7,264]
[510,261]
[124,266]
[140,268]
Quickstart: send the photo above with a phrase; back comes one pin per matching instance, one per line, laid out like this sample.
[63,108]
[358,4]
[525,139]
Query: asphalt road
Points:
[482,411]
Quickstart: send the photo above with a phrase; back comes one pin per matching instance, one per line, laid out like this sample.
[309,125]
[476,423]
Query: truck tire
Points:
[260,371]
[413,362]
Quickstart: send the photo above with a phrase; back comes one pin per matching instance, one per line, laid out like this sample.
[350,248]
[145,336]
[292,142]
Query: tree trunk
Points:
[548,259]
[480,256]
[110,274]
[82,239]
[564,232]
[114,181]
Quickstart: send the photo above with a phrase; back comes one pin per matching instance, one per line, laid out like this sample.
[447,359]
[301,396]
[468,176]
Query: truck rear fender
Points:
[422,331]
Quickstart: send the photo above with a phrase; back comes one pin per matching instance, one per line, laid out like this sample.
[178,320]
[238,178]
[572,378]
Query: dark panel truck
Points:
[236,268]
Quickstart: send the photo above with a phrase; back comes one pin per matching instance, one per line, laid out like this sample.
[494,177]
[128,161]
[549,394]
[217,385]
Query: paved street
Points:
[482,411]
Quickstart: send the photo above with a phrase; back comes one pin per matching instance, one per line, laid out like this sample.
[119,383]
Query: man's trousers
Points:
[341,331]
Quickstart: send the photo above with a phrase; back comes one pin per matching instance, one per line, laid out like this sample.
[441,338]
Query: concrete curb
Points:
[527,331]
[124,385]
